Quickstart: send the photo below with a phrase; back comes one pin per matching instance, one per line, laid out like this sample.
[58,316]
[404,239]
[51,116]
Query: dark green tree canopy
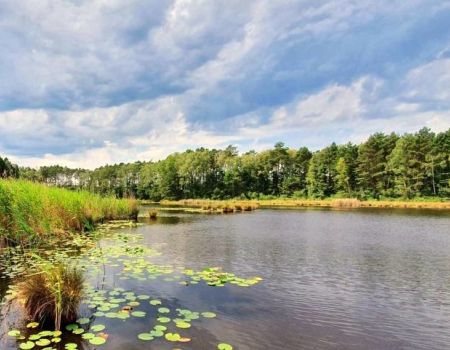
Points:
[385,165]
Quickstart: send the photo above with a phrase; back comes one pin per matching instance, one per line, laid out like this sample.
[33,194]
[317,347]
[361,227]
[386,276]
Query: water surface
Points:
[332,279]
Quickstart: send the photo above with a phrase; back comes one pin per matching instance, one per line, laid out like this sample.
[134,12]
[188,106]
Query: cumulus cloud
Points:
[94,82]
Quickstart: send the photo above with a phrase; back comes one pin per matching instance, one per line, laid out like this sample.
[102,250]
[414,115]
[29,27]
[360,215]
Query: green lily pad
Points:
[88,336]
[155,302]
[172,337]
[138,313]
[43,342]
[46,333]
[145,336]
[208,314]
[83,320]
[160,327]
[71,346]
[27,345]
[14,333]
[156,333]
[224,346]
[183,324]
[72,327]
[32,324]
[98,328]
[78,331]
[97,341]
[163,310]
[163,319]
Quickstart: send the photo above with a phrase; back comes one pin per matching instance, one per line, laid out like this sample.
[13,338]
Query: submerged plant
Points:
[53,293]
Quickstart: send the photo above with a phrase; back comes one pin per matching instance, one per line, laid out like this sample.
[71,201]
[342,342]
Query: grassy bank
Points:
[31,212]
[326,203]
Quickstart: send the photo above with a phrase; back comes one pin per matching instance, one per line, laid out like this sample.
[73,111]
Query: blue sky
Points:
[84,83]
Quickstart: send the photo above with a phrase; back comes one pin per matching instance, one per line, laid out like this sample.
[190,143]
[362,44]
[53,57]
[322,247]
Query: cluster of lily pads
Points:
[134,261]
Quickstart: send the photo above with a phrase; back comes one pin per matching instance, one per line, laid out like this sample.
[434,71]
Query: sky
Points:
[86,83]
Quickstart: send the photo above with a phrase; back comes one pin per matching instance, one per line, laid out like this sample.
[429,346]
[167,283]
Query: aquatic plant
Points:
[31,213]
[53,293]
[153,214]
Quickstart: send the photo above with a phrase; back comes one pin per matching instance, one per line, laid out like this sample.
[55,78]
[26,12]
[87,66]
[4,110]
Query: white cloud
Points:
[93,82]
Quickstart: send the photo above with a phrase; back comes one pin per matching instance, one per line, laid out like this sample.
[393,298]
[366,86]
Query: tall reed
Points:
[31,212]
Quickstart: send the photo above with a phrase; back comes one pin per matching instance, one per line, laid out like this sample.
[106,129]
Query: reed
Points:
[31,212]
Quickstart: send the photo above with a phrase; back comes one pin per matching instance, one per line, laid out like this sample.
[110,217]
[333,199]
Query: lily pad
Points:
[88,336]
[27,345]
[72,327]
[98,328]
[163,319]
[208,314]
[172,337]
[14,333]
[97,341]
[138,313]
[43,342]
[224,346]
[183,324]
[83,320]
[156,333]
[163,310]
[145,336]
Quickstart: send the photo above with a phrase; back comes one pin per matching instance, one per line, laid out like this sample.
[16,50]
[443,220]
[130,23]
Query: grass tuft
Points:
[52,294]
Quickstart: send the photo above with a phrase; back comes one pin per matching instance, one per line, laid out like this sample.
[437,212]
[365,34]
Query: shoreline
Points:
[302,203]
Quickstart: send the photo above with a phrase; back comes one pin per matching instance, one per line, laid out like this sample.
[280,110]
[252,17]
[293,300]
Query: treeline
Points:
[8,169]
[385,166]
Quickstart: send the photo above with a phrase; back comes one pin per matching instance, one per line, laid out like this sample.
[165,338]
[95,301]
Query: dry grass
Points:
[215,206]
[327,203]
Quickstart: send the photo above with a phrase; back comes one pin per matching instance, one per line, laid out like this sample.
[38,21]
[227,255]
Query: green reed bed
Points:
[31,212]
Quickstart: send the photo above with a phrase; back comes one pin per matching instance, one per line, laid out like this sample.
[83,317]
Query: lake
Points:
[331,279]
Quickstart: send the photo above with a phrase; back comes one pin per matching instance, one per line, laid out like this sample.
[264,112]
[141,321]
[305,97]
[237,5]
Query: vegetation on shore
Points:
[31,212]
[206,204]
[384,166]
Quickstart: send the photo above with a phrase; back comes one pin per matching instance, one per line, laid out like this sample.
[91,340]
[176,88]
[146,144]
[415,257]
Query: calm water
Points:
[332,280]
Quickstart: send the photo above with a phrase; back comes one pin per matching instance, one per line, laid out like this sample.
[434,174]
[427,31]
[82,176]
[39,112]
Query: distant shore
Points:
[299,203]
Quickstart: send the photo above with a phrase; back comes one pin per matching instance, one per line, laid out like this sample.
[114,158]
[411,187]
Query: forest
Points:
[384,166]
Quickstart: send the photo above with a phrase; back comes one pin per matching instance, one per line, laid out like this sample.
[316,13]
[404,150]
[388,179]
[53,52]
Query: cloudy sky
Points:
[89,82]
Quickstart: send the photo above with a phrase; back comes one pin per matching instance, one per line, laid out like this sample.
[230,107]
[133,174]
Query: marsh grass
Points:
[31,212]
[52,294]
[248,205]
[215,206]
